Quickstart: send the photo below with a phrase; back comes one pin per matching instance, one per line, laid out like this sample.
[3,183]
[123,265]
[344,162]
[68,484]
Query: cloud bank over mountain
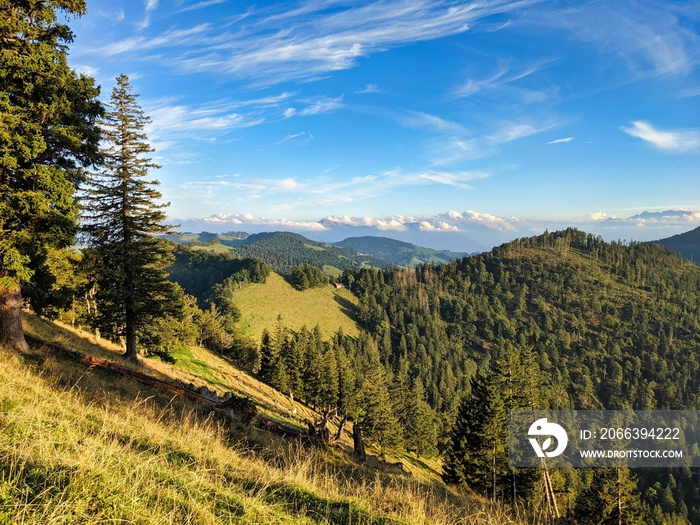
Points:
[468,231]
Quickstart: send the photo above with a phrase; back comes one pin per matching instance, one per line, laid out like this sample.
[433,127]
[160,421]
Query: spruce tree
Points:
[420,423]
[122,219]
[48,136]
[269,354]
[612,498]
[476,456]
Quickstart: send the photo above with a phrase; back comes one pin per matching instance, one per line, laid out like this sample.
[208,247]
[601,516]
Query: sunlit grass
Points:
[260,304]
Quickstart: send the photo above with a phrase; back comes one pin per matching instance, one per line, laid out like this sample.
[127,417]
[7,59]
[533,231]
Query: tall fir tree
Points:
[476,456]
[419,422]
[269,354]
[611,498]
[48,136]
[122,219]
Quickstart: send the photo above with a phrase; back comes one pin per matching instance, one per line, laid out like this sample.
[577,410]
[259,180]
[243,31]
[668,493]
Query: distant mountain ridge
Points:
[651,215]
[284,250]
[686,244]
[281,250]
[398,252]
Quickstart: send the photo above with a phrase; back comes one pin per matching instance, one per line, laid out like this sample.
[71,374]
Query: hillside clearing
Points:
[329,307]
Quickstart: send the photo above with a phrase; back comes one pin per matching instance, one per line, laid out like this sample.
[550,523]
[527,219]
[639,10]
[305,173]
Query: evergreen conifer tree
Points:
[122,217]
[420,423]
[476,456]
[269,354]
[48,136]
[611,499]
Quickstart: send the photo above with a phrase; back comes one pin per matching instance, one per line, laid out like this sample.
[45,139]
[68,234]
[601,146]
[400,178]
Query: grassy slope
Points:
[214,248]
[83,446]
[260,304]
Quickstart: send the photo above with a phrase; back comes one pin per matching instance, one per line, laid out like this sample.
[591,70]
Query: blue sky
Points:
[451,124]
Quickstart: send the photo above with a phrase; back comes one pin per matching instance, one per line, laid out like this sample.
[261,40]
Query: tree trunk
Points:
[130,322]
[359,445]
[11,333]
[338,434]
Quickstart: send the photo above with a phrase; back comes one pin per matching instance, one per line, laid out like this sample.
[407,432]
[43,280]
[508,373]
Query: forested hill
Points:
[398,252]
[609,325]
[685,244]
[562,321]
[282,251]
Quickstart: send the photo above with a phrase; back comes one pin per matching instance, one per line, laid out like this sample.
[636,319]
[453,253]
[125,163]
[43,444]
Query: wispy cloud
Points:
[421,120]
[369,88]
[201,5]
[503,82]
[650,37]
[151,5]
[321,105]
[292,193]
[510,131]
[457,147]
[175,127]
[675,141]
[315,39]
[562,141]
[302,136]
[182,118]
[170,38]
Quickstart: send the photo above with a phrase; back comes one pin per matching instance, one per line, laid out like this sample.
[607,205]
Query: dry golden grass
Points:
[84,446]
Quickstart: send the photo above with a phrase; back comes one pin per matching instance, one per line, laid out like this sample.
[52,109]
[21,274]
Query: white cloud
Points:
[418,119]
[600,216]
[449,222]
[561,141]
[247,218]
[87,70]
[488,220]
[685,141]
[369,88]
[289,112]
[441,226]
[287,184]
[305,135]
[321,105]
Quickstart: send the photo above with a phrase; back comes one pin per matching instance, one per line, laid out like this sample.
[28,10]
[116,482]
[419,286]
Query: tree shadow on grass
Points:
[347,308]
